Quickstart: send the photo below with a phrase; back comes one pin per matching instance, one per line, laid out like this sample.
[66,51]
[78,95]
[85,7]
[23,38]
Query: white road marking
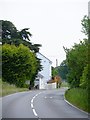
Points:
[50,97]
[32,101]
[35,112]
[47,97]
[34,97]
[32,106]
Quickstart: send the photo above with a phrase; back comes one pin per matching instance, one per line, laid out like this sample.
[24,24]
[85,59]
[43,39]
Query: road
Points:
[39,104]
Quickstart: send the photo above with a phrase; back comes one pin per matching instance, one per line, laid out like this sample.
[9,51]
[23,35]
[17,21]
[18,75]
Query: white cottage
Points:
[45,74]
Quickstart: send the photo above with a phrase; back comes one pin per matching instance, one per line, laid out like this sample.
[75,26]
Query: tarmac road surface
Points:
[39,104]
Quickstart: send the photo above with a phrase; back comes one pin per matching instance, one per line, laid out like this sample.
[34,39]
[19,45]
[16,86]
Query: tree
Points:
[85,25]
[19,64]
[8,30]
[77,59]
[11,35]
[84,78]
[54,72]
[63,70]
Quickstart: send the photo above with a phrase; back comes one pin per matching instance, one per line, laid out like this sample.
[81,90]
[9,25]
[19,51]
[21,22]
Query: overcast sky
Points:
[53,23]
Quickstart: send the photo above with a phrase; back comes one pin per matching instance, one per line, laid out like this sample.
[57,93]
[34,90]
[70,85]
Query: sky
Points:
[53,23]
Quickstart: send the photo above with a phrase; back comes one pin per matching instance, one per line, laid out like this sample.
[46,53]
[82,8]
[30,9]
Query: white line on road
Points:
[35,112]
[47,97]
[32,101]
[32,106]
[74,106]
[50,97]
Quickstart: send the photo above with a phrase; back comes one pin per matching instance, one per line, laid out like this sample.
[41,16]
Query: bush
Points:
[19,64]
[84,78]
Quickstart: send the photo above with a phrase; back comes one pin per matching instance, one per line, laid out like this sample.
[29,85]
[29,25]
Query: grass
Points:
[6,89]
[78,97]
[64,84]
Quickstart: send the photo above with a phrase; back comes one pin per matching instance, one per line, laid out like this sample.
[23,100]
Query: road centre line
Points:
[32,101]
[35,112]
[32,106]
[50,97]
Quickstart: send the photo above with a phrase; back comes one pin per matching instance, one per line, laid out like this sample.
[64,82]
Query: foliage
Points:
[63,70]
[78,97]
[84,78]
[19,64]
[77,59]
[64,84]
[10,89]
[11,35]
[78,63]
[85,25]
[54,72]
[0,61]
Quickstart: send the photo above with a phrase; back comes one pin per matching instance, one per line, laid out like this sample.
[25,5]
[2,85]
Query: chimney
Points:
[56,62]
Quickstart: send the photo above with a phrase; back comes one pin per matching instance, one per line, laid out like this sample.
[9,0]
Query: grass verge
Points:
[78,97]
[6,89]
[64,84]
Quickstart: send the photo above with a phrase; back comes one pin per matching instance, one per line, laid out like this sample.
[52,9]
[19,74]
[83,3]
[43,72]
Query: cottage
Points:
[45,74]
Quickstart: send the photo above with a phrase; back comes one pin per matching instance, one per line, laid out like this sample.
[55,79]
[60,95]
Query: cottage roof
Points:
[45,57]
[40,75]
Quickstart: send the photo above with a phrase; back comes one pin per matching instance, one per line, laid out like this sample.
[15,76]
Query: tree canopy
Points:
[77,59]
[19,60]
[19,64]
[11,35]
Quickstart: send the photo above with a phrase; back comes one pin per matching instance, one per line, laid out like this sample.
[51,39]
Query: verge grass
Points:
[9,89]
[78,97]
[64,84]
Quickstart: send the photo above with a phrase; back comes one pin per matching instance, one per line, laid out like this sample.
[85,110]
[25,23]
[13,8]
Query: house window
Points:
[37,80]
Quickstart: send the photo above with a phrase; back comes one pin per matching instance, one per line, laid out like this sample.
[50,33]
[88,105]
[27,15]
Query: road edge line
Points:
[75,106]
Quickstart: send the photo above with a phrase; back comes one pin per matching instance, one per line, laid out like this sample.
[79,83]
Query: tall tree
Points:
[77,59]
[63,70]
[85,25]
[11,35]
